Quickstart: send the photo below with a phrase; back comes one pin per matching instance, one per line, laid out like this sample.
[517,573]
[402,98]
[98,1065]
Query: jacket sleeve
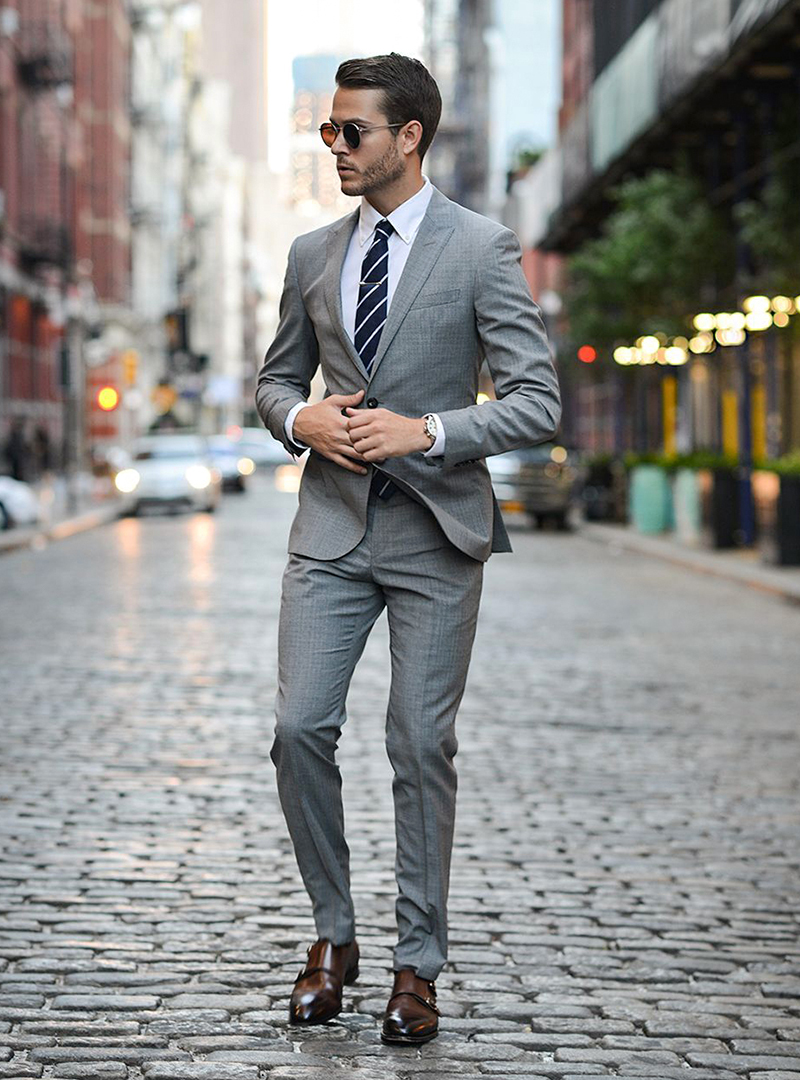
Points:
[284,378]
[514,342]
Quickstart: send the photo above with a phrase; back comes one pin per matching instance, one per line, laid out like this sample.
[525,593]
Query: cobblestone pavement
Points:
[625,891]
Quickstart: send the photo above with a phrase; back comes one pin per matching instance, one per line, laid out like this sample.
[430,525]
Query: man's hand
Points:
[324,428]
[377,434]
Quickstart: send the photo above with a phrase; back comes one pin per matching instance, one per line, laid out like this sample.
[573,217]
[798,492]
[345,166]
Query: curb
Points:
[14,539]
[764,578]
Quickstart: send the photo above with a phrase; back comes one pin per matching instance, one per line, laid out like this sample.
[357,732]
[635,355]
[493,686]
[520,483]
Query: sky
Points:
[342,27]
[531,46]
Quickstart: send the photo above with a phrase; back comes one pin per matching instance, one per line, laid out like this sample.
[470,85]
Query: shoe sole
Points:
[407,1040]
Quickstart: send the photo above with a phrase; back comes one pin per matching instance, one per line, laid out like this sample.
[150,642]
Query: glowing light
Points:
[558,454]
[246,466]
[675,355]
[127,480]
[730,337]
[702,343]
[587,354]
[782,303]
[287,478]
[198,476]
[736,321]
[756,303]
[781,318]
[649,343]
[107,398]
[681,342]
[723,320]
[758,320]
[705,321]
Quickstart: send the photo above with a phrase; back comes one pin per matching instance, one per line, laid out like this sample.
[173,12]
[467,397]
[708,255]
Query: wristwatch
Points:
[431,429]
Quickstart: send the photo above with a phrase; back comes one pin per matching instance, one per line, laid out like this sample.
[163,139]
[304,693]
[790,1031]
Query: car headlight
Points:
[198,476]
[127,480]
[246,466]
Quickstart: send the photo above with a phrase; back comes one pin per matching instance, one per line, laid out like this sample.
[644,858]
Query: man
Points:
[399,303]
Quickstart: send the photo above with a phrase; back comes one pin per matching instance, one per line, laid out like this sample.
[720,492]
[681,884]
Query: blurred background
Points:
[157,157]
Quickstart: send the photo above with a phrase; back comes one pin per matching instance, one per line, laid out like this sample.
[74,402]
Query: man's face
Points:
[377,161]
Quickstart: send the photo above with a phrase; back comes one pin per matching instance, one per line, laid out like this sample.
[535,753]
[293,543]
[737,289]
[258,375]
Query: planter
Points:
[688,506]
[598,492]
[719,500]
[604,492]
[649,499]
[777,503]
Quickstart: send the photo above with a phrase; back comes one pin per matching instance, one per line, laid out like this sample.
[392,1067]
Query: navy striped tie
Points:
[373,295]
[371,312]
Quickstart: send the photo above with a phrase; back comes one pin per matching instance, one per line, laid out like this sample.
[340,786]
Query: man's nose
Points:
[338,147]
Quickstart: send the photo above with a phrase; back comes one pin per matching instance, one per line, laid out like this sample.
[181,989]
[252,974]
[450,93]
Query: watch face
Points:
[430,427]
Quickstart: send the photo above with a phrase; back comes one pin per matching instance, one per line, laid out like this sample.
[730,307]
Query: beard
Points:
[386,170]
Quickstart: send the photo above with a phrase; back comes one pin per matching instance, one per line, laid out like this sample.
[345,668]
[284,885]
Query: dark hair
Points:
[409,90]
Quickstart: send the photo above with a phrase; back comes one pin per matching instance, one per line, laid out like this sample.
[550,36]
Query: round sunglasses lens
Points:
[328,133]
[352,136]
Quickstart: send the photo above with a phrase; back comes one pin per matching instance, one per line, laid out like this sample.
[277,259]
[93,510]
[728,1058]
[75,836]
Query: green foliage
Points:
[645,273]
[696,459]
[526,156]
[770,226]
[786,465]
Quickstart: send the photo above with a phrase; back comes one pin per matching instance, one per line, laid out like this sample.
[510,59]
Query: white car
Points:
[171,471]
[18,503]
[259,445]
[232,462]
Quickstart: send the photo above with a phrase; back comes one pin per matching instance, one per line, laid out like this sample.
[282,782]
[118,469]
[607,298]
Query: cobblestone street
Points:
[625,895]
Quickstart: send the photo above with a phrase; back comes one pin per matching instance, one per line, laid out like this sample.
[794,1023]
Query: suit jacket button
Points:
[372,403]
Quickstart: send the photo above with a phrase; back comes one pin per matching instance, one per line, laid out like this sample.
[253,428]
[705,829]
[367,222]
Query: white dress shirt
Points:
[405,220]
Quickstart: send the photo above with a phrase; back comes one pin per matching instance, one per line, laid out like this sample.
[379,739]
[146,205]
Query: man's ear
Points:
[412,134]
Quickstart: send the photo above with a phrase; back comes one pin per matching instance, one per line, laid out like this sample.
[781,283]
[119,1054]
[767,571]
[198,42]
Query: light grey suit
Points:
[462,297]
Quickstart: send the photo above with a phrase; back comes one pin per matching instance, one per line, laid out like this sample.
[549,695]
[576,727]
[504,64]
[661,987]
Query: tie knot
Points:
[384,227]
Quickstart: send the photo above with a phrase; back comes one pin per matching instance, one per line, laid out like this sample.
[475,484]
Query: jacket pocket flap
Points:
[445,296]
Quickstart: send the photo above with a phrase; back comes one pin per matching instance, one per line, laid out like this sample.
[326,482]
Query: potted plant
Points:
[649,492]
[604,489]
[776,494]
[706,498]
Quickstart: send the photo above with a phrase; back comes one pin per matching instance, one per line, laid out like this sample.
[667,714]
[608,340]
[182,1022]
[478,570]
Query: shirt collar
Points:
[405,219]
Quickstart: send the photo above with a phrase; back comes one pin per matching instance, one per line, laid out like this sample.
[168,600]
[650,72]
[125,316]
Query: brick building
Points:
[64,224]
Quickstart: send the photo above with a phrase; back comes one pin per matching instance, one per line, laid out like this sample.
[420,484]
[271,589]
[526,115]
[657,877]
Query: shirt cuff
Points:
[437,450]
[288,424]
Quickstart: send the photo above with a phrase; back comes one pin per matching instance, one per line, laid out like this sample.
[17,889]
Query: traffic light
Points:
[107,398]
[587,354]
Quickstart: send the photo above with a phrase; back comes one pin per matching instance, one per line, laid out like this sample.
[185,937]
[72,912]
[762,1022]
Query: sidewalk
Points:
[742,565]
[93,505]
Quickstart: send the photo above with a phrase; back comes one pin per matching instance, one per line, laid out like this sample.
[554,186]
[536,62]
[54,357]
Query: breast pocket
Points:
[431,299]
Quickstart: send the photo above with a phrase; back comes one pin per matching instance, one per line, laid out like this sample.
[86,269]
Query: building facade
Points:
[709,88]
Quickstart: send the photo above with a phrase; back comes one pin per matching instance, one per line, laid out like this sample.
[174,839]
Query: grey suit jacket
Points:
[462,297]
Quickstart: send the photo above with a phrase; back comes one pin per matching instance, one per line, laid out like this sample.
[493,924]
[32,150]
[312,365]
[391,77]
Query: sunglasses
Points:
[352,132]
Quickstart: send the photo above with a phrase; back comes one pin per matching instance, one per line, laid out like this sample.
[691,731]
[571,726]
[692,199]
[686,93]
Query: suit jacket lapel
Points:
[338,241]
[433,234]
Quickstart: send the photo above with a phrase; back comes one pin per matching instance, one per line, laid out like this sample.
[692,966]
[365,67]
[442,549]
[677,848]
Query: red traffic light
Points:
[587,353]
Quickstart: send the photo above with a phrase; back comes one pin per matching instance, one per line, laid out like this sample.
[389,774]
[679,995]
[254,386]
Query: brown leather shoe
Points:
[317,994]
[411,1013]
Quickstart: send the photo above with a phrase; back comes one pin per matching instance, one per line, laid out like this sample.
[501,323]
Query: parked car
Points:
[18,503]
[259,445]
[234,465]
[541,481]
[172,471]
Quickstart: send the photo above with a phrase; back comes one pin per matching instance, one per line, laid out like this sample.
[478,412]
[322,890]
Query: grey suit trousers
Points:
[431,591]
